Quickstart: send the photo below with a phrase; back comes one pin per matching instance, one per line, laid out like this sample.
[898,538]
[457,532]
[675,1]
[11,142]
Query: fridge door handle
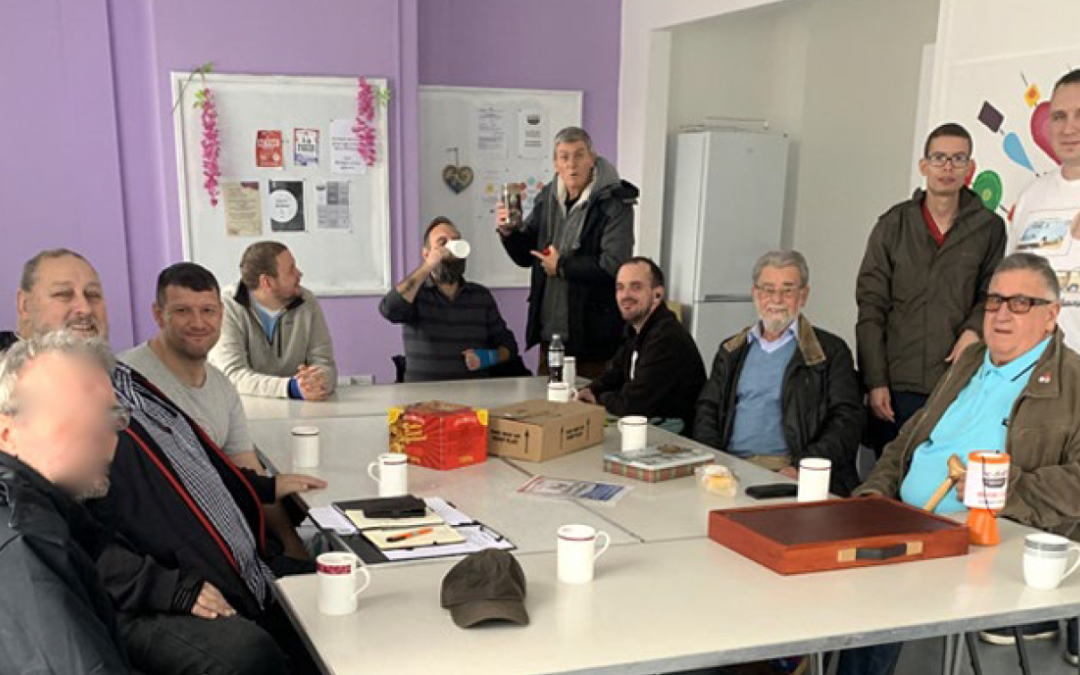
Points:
[725,297]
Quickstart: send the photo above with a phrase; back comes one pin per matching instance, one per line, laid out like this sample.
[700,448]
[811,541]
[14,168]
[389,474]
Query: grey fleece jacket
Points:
[261,367]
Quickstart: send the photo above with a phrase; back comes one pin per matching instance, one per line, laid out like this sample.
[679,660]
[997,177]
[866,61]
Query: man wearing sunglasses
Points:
[1017,393]
[927,264]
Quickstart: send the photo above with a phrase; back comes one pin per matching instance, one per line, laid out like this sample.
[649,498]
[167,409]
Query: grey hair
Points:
[1029,262]
[22,353]
[781,259]
[574,135]
[29,270]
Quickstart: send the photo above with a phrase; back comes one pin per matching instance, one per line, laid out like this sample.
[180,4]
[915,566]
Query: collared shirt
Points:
[978,420]
[768,347]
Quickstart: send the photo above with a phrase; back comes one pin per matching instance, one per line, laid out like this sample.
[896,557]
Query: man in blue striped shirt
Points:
[452,328]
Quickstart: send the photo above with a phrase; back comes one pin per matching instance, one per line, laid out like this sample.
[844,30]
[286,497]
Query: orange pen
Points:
[409,535]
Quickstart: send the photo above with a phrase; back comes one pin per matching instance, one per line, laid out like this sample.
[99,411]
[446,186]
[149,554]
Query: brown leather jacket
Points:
[1043,440]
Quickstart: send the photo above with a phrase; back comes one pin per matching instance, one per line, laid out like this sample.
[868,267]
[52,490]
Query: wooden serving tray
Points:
[836,534]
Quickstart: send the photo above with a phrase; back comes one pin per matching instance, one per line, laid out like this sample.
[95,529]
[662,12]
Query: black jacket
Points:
[55,615]
[149,505]
[668,375]
[7,338]
[821,402]
[594,321]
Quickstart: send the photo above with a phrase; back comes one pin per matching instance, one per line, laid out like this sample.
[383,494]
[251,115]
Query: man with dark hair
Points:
[580,230]
[188,310]
[1018,393]
[658,371]
[927,264]
[274,340]
[1045,219]
[452,328]
[783,389]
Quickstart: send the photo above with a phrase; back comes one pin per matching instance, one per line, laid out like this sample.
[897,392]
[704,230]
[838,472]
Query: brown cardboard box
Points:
[541,430]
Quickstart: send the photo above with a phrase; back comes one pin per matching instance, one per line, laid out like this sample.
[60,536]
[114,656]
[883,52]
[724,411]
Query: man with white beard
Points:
[763,400]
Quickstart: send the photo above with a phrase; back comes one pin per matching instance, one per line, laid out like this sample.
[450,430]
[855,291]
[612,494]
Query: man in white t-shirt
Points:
[1046,218]
[188,310]
[1046,221]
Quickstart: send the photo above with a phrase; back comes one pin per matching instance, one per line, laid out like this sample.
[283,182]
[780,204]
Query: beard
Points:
[776,323]
[87,491]
[449,272]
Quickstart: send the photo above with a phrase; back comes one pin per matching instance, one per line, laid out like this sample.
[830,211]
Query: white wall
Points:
[745,65]
[862,89]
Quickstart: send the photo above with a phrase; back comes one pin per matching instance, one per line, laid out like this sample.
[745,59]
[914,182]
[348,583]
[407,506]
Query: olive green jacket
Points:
[1043,439]
[916,298]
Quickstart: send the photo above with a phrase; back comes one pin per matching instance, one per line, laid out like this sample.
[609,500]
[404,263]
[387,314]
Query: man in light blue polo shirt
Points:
[1017,393]
[977,420]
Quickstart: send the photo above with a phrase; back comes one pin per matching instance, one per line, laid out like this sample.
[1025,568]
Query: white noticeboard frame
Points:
[323,202]
[501,136]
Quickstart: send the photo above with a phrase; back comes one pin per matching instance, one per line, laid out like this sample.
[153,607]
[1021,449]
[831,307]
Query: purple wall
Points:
[92,165]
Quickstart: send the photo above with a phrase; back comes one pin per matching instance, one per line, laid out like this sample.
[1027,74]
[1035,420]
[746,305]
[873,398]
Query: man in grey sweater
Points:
[274,340]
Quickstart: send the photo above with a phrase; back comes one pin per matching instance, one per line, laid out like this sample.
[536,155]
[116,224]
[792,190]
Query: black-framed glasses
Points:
[939,159]
[781,293]
[1018,304]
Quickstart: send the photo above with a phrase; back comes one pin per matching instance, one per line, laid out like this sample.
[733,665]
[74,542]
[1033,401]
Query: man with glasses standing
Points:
[1017,393]
[927,264]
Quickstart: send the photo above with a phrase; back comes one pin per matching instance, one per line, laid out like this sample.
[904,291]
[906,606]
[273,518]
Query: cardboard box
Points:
[540,430]
[439,435]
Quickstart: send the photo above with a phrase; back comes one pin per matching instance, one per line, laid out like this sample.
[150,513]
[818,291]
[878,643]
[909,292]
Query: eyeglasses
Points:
[784,293]
[1018,304]
[938,160]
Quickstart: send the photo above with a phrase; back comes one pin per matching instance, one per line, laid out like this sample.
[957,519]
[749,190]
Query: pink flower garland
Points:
[365,118]
[211,144]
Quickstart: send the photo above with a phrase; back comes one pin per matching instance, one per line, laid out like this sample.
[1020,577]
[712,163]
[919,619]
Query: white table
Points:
[673,509]
[668,606]
[486,491]
[376,399]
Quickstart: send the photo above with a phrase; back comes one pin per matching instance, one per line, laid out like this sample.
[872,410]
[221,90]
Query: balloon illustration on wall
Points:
[989,188]
[1040,130]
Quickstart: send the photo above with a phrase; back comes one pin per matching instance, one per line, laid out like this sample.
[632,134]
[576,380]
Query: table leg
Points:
[947,651]
[973,653]
[1021,650]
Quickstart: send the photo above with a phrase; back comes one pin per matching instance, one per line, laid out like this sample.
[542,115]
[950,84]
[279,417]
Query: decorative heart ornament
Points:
[457,178]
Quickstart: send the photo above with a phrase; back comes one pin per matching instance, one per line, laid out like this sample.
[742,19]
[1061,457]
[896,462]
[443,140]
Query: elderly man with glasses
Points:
[927,263]
[783,389]
[1018,393]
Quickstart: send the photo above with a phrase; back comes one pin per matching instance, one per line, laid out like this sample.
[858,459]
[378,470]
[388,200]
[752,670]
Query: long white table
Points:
[665,599]
[669,606]
[361,400]
[487,491]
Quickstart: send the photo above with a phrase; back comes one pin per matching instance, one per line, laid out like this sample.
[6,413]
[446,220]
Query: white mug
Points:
[577,552]
[814,479]
[559,392]
[305,447]
[635,432]
[1046,558]
[569,371]
[392,474]
[338,573]
[459,248]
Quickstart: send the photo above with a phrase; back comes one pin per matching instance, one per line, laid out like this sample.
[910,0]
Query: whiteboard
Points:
[329,208]
[503,135]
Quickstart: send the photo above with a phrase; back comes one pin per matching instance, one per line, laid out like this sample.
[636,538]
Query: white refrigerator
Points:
[724,208]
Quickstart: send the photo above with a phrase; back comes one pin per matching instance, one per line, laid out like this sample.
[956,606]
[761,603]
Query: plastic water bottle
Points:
[556,351]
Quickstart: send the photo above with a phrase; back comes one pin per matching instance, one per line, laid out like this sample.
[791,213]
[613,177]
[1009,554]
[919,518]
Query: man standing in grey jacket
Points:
[580,230]
[274,340]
